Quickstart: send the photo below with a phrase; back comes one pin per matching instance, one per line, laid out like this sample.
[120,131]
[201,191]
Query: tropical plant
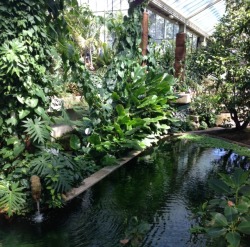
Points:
[24,62]
[129,101]
[12,198]
[37,130]
[206,106]
[226,217]
[126,102]
[59,173]
[84,29]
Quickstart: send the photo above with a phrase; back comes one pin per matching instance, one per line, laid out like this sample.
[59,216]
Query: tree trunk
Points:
[235,118]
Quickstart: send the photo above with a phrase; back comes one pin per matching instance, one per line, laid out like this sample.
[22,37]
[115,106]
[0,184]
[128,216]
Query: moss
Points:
[213,142]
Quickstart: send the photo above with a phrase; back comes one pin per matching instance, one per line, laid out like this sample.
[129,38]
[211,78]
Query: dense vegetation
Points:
[223,65]
[45,44]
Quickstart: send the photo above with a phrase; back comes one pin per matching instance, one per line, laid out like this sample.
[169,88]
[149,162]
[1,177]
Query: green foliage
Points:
[57,169]
[206,106]
[24,62]
[37,130]
[226,59]
[58,172]
[129,101]
[43,42]
[12,198]
[227,216]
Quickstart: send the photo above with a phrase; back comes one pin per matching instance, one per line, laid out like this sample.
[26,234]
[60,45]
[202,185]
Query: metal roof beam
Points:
[203,9]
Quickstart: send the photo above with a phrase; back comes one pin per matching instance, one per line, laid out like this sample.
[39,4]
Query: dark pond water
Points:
[160,188]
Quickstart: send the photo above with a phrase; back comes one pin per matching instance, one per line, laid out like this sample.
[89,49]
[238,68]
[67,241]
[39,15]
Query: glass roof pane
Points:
[203,13]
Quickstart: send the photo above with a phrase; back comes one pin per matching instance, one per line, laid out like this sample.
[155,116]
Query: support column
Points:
[180,52]
[144,43]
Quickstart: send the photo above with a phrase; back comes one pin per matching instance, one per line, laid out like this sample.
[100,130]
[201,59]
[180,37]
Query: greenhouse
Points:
[124,123]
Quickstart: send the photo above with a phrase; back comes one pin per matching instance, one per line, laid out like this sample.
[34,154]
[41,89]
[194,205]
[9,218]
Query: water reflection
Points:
[161,187]
[229,160]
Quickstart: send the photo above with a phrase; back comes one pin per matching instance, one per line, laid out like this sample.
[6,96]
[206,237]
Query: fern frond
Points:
[37,130]
[12,198]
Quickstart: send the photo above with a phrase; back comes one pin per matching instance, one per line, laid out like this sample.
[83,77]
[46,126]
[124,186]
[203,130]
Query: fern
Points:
[37,130]
[12,198]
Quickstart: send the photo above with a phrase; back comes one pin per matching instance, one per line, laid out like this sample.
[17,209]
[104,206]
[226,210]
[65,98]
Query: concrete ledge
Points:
[60,130]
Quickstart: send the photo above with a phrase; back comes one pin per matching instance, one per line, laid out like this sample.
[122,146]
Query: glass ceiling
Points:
[199,15]
[203,13]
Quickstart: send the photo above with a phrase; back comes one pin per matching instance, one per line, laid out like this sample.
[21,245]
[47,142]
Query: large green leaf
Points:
[219,186]
[20,98]
[37,129]
[220,220]
[233,238]
[115,96]
[231,213]
[136,122]
[243,207]
[18,149]
[153,120]
[109,160]
[31,102]
[94,139]
[244,227]
[120,110]
[118,129]
[12,197]
[245,190]
[13,140]
[23,113]
[240,177]
[39,92]
[12,121]
[148,101]
[215,232]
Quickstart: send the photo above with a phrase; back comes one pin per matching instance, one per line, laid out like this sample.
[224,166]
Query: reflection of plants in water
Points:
[135,231]
[226,216]
[212,142]
[230,160]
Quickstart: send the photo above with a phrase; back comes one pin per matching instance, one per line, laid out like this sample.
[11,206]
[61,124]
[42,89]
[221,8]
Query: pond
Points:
[159,189]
